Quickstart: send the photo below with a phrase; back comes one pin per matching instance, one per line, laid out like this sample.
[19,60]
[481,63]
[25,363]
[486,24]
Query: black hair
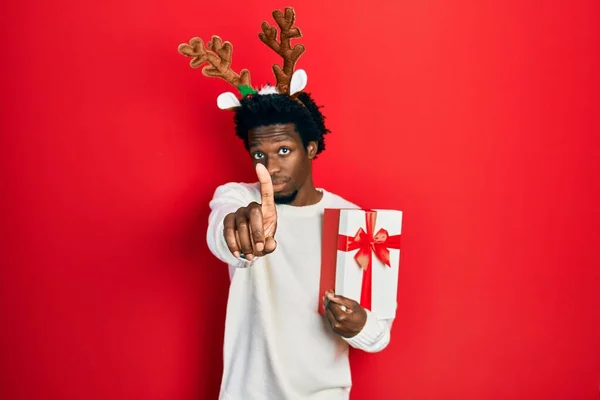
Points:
[270,109]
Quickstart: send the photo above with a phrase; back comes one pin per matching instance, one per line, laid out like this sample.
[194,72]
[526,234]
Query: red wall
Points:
[478,119]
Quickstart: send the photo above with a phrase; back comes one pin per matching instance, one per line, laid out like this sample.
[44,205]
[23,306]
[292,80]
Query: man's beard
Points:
[286,198]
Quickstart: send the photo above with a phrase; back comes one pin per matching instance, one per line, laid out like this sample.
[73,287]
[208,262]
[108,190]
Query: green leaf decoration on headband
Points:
[245,90]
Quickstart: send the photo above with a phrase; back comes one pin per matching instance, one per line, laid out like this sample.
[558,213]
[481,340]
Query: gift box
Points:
[360,257]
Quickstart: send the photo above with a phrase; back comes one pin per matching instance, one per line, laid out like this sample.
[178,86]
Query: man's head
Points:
[285,134]
[280,125]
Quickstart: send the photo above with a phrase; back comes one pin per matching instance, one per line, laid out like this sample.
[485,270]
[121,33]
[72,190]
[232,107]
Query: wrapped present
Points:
[360,257]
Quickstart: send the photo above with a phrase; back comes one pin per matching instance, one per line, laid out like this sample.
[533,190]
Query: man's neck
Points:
[307,195]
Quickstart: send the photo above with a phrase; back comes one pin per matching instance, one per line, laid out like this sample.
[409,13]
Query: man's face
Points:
[280,149]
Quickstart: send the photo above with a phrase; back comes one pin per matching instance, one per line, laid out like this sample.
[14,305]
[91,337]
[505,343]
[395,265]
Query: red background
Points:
[478,119]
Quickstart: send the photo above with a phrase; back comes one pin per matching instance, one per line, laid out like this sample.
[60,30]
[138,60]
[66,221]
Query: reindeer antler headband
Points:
[218,55]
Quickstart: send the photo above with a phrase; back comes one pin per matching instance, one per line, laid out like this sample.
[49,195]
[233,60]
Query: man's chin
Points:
[285,198]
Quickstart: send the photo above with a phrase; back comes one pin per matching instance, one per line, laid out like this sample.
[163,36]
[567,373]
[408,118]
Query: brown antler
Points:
[289,54]
[218,55]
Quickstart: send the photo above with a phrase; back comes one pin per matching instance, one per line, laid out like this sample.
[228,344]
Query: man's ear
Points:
[312,149]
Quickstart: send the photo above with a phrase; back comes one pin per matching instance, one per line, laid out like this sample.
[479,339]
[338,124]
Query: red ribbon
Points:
[367,243]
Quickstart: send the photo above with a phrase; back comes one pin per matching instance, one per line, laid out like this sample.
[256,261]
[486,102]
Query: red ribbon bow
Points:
[367,242]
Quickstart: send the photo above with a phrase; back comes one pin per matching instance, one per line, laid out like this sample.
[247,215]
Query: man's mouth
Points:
[279,185]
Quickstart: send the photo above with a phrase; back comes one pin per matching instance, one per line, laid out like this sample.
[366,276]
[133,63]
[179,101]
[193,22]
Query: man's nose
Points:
[273,165]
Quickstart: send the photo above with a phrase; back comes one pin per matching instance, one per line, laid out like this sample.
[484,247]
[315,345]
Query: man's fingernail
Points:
[260,246]
[249,257]
[236,254]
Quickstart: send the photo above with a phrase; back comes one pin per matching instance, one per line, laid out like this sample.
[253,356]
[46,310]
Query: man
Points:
[277,346]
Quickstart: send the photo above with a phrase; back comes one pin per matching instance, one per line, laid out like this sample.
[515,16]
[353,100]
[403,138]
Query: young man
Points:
[277,346]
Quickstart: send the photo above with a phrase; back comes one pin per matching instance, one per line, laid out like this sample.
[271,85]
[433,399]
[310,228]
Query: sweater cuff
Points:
[370,334]
[243,263]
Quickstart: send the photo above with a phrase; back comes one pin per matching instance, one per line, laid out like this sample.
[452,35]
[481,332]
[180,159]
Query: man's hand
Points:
[346,316]
[251,229]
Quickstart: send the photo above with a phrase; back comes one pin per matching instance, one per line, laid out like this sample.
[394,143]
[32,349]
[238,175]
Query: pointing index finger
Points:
[266,187]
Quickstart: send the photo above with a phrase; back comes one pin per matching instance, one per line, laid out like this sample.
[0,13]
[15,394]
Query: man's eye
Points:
[258,155]
[284,150]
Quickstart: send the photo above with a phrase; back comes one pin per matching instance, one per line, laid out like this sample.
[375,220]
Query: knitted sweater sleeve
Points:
[375,335]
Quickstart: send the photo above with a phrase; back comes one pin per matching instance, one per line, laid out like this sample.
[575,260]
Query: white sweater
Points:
[277,346]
